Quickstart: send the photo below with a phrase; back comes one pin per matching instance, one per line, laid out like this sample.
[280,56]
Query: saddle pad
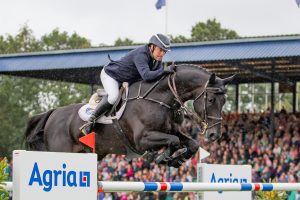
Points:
[85,111]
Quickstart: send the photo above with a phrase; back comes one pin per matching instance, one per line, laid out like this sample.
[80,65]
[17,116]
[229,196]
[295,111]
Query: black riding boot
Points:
[100,109]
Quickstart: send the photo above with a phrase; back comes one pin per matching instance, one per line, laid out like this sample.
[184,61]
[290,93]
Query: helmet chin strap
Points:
[152,47]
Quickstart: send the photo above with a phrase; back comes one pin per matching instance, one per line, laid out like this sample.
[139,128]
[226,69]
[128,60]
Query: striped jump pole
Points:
[118,186]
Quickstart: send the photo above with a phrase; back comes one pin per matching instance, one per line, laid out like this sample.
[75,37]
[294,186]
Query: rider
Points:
[142,63]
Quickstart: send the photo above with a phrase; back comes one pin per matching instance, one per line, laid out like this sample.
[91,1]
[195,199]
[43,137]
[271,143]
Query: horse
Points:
[148,124]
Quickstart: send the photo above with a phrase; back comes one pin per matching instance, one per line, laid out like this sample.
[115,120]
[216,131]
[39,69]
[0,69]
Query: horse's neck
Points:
[143,89]
[189,81]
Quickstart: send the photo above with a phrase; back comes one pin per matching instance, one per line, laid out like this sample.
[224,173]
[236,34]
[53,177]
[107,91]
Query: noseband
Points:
[203,122]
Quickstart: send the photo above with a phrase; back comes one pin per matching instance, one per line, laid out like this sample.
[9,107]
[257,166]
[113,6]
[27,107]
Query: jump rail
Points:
[119,186]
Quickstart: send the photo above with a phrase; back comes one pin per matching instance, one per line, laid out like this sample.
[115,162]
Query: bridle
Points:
[203,122]
[172,86]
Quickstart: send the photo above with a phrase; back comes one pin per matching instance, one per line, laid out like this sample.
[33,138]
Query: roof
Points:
[199,52]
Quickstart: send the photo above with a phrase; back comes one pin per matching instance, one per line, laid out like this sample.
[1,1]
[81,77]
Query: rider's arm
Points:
[141,62]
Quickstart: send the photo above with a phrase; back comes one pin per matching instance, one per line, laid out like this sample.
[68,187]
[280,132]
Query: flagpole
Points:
[166,20]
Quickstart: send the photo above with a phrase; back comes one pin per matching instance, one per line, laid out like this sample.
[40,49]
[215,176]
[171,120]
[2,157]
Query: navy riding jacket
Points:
[135,66]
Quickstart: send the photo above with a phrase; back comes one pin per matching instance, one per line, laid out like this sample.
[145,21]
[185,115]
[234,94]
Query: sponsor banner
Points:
[209,173]
[49,175]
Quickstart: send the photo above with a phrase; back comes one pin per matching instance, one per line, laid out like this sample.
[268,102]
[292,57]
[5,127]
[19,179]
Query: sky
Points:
[104,21]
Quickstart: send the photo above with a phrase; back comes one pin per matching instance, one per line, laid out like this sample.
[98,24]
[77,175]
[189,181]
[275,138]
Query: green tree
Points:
[125,42]
[23,97]
[179,39]
[211,30]
[57,40]
[4,195]
[24,41]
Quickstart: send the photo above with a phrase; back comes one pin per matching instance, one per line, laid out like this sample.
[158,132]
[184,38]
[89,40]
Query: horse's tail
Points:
[34,134]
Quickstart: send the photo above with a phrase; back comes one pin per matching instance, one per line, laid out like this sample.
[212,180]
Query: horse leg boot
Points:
[190,145]
[102,107]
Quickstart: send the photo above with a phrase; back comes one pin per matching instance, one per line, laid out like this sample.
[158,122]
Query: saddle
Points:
[116,111]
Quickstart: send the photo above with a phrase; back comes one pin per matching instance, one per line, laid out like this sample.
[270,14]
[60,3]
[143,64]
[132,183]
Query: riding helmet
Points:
[161,41]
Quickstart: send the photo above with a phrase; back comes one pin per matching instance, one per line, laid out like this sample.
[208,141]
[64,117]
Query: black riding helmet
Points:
[161,41]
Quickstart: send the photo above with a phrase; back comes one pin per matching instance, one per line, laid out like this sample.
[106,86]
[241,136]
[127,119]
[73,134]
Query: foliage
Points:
[271,195]
[24,41]
[125,42]
[4,195]
[57,40]
[211,30]
[23,97]
[179,39]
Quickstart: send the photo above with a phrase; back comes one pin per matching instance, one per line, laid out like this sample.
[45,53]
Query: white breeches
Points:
[111,86]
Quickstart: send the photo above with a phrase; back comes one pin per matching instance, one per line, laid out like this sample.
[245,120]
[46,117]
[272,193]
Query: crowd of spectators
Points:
[247,139]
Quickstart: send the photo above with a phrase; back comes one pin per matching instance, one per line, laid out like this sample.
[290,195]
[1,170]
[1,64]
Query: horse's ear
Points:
[212,79]
[228,80]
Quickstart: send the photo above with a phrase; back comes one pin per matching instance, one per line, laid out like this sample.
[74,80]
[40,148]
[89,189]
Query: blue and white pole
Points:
[116,186]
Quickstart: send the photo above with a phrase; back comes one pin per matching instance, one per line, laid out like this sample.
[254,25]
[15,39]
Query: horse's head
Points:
[209,103]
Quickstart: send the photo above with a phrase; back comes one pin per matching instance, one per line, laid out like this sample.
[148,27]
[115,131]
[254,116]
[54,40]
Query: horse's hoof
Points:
[163,158]
[150,156]
[178,153]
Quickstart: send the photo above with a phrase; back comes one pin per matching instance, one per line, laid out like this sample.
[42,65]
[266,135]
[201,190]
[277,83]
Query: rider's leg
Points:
[111,86]
[102,107]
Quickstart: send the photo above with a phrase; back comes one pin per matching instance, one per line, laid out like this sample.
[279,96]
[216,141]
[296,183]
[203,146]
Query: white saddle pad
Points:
[85,111]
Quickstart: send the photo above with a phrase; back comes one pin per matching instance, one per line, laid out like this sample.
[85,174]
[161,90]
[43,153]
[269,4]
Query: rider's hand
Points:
[167,71]
[170,70]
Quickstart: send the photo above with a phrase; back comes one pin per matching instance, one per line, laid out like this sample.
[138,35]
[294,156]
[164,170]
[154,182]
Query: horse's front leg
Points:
[155,140]
[192,147]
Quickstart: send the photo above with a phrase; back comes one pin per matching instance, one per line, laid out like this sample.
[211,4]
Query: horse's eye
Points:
[211,100]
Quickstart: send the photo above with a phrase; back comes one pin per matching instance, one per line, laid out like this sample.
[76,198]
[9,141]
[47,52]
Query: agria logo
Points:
[62,178]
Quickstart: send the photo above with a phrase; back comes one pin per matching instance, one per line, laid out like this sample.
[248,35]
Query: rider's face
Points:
[158,53]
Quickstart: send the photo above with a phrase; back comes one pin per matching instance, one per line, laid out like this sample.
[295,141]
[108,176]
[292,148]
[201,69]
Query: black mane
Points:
[191,66]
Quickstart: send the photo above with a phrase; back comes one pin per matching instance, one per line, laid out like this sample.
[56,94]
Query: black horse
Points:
[148,123]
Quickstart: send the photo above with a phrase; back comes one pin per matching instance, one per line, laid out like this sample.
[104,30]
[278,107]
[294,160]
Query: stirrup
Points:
[83,127]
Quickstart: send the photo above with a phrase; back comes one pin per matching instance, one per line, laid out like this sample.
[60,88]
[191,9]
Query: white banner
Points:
[209,173]
[49,175]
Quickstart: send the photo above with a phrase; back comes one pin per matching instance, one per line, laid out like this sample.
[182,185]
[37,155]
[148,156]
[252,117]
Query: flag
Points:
[89,140]
[298,3]
[203,153]
[161,3]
